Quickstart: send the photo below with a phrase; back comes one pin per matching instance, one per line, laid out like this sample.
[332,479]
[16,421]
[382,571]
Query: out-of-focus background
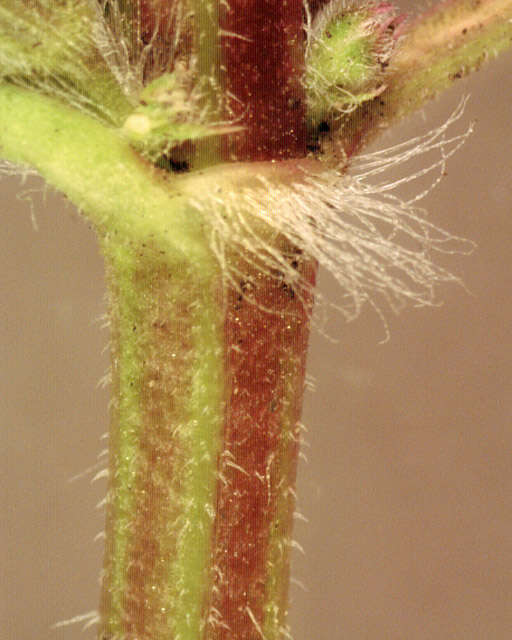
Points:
[408,489]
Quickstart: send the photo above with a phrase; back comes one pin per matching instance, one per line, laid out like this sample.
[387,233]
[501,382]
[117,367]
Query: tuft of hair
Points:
[380,249]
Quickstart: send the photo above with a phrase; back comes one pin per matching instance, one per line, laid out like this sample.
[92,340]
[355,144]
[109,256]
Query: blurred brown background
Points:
[408,489]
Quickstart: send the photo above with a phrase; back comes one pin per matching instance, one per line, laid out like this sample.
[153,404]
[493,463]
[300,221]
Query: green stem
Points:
[444,44]
[166,437]
[204,442]
[96,168]
[207,387]
[48,46]
[207,381]
[207,45]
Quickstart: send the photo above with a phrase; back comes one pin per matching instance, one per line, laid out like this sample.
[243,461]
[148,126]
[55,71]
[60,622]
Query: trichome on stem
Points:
[208,143]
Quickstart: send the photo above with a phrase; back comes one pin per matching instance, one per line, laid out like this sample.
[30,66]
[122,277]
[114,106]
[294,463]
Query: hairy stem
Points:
[208,358]
[208,382]
[166,437]
[451,40]
[263,54]
[48,47]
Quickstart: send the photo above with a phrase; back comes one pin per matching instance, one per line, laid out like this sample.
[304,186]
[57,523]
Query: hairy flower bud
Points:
[170,114]
[348,51]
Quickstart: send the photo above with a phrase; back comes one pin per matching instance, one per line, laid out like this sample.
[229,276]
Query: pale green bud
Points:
[169,114]
[347,51]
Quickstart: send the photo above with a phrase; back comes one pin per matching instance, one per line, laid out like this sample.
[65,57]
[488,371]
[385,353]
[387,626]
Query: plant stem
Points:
[266,345]
[444,44]
[452,39]
[204,444]
[263,54]
[165,441]
[208,372]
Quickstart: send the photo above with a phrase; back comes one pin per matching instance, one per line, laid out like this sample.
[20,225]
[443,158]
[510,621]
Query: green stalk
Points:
[445,44]
[165,441]
[207,45]
[451,40]
[207,387]
[49,47]
[182,470]
[91,162]
[208,371]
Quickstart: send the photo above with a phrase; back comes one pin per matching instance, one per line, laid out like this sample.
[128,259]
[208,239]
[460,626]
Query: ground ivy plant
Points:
[209,144]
